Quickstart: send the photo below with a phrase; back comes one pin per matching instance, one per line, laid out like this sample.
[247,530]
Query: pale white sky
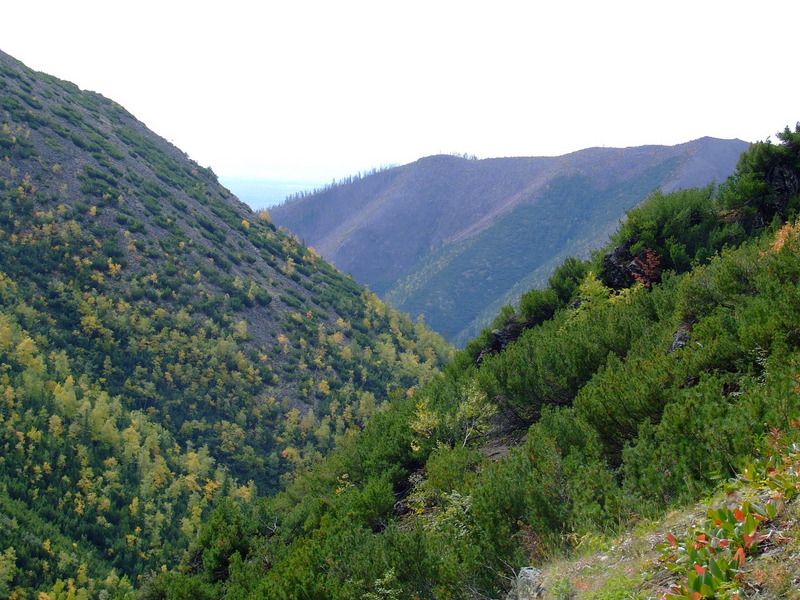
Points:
[317,89]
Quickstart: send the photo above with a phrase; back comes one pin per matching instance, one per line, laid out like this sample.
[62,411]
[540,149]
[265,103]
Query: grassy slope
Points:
[634,564]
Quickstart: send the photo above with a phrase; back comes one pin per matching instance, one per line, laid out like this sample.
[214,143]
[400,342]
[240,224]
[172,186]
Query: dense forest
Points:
[635,382]
[163,349]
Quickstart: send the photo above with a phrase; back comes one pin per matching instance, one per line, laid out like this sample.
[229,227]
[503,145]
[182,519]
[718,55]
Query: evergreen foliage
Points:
[608,405]
[163,351]
[194,405]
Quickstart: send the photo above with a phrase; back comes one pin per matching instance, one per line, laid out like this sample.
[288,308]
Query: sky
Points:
[311,90]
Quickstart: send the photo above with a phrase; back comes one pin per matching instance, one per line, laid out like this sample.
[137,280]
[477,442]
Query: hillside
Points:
[455,239]
[661,372]
[162,347]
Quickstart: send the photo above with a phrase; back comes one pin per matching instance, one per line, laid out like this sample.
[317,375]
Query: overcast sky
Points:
[314,90]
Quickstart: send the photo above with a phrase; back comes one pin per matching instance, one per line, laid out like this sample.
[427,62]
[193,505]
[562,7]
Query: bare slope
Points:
[454,239]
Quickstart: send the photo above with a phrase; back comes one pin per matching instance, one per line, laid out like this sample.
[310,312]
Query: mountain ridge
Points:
[143,413]
[387,227]
[562,453]
[164,349]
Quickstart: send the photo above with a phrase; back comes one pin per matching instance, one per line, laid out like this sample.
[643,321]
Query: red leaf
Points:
[740,556]
[673,541]
[701,570]
[740,516]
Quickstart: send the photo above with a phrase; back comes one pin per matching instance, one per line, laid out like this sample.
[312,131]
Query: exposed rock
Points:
[621,269]
[527,585]
[730,388]
[783,178]
[401,508]
[681,339]
[483,354]
[501,338]
[618,268]
[783,181]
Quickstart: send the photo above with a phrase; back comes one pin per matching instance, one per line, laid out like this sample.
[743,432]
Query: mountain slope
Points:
[162,347]
[454,239]
[619,400]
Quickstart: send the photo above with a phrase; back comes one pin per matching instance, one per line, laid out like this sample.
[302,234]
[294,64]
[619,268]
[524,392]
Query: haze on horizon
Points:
[313,91]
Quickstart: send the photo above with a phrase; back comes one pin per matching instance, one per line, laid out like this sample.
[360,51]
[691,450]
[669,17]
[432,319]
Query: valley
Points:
[196,404]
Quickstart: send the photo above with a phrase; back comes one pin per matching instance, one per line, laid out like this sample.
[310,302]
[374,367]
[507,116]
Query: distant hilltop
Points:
[454,238]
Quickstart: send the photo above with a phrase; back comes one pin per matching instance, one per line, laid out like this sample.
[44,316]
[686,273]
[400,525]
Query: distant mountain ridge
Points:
[455,239]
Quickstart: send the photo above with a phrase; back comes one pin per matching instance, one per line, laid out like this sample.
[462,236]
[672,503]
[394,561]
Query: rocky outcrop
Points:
[502,337]
[783,178]
[681,339]
[527,585]
[783,184]
[619,267]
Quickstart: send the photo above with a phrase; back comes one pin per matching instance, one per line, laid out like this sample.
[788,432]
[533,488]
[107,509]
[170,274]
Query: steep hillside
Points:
[663,371]
[162,347]
[455,239]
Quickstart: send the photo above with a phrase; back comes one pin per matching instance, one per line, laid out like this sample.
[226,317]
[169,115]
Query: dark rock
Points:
[401,508]
[751,221]
[483,354]
[730,387]
[619,267]
[681,339]
[783,178]
[501,338]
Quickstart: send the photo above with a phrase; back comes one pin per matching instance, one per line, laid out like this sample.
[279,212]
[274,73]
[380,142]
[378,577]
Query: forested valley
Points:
[195,405]
[636,382]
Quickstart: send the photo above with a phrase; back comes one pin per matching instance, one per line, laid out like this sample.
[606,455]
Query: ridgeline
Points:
[162,347]
[195,405]
[455,238]
[660,372]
